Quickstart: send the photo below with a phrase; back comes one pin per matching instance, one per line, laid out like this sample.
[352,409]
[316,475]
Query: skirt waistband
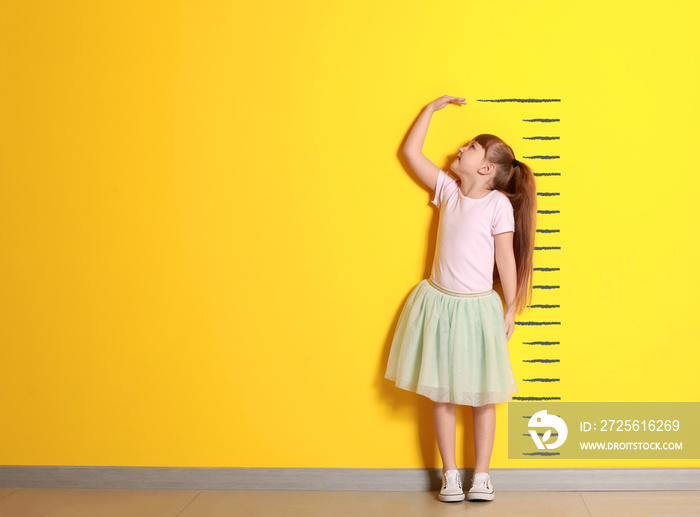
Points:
[458,294]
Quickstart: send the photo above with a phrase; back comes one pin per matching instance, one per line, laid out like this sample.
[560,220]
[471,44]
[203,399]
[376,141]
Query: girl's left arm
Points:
[505,261]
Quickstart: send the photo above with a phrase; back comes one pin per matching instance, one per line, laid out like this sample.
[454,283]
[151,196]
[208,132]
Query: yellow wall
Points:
[208,233]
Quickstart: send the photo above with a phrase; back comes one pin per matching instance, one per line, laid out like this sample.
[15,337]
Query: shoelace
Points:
[481,482]
[457,479]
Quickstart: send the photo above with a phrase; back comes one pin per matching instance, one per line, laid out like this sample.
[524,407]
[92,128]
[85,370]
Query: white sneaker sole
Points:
[479,496]
[451,498]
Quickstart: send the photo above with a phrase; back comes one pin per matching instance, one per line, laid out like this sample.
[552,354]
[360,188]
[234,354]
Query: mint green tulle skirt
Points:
[452,347]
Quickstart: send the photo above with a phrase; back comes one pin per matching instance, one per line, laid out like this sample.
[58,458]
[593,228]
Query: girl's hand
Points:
[510,323]
[443,101]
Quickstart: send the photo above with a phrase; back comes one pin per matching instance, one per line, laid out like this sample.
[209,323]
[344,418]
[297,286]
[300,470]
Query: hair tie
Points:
[515,162]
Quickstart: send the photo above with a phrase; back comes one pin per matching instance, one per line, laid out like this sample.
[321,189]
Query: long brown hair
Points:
[518,183]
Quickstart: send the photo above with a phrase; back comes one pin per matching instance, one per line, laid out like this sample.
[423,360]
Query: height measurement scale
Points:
[542,317]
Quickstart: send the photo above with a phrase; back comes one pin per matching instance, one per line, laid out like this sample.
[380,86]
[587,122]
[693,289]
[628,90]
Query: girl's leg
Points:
[484,435]
[445,419]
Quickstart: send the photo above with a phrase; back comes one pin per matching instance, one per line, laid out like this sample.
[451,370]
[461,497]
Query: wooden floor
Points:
[91,502]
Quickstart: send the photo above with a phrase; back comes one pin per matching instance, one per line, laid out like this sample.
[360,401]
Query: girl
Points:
[451,341]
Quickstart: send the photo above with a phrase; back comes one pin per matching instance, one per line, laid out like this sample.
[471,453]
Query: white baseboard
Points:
[400,480]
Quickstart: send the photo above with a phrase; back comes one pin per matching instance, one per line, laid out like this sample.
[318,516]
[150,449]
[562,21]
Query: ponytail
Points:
[523,197]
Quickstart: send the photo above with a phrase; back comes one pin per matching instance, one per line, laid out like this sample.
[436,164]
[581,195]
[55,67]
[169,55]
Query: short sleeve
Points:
[439,194]
[503,219]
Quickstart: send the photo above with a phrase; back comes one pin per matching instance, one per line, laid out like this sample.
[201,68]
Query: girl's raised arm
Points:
[412,150]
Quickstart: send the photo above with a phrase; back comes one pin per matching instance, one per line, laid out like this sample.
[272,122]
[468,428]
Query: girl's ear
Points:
[490,168]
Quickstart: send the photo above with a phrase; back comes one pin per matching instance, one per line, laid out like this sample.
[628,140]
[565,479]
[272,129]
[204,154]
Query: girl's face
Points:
[470,157]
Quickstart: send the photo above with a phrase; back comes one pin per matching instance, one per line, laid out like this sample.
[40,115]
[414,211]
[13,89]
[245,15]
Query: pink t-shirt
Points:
[465,250]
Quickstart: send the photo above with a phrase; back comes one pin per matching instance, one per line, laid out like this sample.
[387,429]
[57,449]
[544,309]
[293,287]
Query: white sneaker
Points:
[482,489]
[451,490]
